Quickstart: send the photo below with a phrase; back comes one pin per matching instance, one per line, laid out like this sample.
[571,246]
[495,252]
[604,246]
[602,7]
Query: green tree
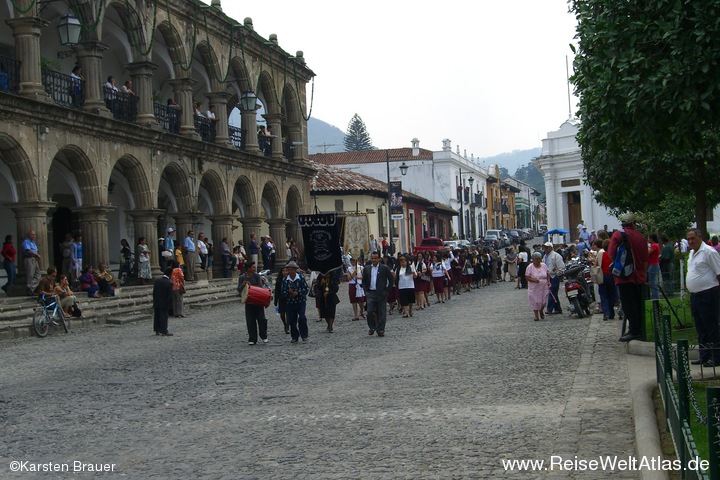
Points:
[356,137]
[532,176]
[646,74]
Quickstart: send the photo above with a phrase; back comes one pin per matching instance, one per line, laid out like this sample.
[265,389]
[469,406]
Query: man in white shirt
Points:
[555,264]
[202,247]
[703,283]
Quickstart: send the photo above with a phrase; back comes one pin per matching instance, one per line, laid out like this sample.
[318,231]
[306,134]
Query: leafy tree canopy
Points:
[647,77]
[357,137]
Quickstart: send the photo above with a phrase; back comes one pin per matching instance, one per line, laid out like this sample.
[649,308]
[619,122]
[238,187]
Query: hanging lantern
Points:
[69,28]
[248,101]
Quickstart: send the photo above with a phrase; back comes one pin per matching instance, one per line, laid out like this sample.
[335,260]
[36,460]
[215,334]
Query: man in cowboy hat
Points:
[295,289]
[254,314]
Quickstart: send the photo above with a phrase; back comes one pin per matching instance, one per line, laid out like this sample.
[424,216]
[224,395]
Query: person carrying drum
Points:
[254,314]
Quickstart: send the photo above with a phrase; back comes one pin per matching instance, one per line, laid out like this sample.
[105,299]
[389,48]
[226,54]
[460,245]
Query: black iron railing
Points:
[123,105]
[237,137]
[168,116]
[9,75]
[206,128]
[64,89]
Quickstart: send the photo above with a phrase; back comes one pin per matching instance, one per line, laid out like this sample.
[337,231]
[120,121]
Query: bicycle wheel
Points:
[65,321]
[40,322]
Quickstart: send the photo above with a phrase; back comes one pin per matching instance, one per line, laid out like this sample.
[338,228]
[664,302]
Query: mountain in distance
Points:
[512,161]
[324,138]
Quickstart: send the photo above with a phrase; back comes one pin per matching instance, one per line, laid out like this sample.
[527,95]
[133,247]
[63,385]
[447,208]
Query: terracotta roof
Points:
[439,207]
[370,156]
[337,181]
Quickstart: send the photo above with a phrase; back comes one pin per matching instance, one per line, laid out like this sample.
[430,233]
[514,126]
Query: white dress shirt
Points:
[703,269]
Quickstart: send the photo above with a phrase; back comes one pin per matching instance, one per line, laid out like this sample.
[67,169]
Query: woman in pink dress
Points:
[538,285]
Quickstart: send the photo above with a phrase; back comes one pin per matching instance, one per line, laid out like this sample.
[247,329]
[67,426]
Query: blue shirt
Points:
[189,244]
[29,244]
[169,244]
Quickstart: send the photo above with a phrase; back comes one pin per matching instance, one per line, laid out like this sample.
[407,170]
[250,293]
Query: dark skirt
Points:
[352,290]
[392,295]
[439,284]
[406,296]
[421,285]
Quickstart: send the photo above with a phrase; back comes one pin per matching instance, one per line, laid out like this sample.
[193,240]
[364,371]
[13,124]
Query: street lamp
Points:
[403,171]
[461,190]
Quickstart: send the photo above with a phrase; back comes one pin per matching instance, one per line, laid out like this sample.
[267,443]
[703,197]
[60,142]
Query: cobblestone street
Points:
[449,393]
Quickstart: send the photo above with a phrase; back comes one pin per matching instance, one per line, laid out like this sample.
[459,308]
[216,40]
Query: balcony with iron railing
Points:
[68,91]
[9,75]
[237,137]
[123,105]
[64,89]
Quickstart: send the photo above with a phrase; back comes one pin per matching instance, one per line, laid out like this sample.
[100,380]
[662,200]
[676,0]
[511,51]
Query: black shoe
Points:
[710,364]
[371,332]
[167,334]
[697,362]
[628,337]
[381,334]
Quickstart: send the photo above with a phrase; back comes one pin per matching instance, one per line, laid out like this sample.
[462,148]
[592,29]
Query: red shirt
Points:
[654,255]
[606,263]
[638,246]
[8,252]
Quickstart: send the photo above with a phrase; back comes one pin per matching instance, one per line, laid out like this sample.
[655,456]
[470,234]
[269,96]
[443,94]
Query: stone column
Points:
[249,126]
[32,216]
[551,201]
[251,225]
[221,228]
[94,230]
[90,57]
[295,136]
[278,234]
[26,31]
[183,96]
[142,75]
[219,100]
[145,223]
[273,121]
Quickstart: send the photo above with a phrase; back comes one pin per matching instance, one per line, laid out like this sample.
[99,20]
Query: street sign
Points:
[397,216]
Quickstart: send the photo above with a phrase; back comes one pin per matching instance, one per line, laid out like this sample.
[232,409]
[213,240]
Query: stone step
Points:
[129,305]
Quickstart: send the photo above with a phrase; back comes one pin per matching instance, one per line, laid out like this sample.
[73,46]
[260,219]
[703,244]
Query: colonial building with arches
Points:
[79,155]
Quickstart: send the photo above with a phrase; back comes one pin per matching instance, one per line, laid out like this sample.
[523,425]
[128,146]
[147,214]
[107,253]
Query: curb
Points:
[641,373]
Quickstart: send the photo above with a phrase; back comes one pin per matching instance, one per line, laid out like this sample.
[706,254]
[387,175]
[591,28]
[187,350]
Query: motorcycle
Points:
[579,288]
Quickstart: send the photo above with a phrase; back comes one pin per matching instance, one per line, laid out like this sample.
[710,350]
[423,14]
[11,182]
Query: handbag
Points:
[359,292]
[182,289]
[596,273]
[425,278]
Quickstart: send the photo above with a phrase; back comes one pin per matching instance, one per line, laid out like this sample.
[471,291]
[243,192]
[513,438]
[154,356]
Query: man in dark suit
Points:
[162,301]
[377,281]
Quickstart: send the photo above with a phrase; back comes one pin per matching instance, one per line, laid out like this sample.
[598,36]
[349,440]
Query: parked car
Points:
[431,244]
[457,244]
[491,240]
[502,239]
[514,236]
[543,228]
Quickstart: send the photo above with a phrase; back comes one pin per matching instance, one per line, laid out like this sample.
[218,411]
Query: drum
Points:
[256,296]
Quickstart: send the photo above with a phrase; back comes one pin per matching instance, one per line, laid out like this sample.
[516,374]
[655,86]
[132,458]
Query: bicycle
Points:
[45,315]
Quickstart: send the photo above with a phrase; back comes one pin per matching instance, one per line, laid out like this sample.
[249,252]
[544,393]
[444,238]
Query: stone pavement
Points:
[449,393]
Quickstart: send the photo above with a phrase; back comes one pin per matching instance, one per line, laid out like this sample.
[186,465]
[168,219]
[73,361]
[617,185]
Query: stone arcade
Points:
[115,165]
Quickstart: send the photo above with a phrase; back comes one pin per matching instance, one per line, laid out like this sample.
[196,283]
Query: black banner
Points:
[321,235]
[396,207]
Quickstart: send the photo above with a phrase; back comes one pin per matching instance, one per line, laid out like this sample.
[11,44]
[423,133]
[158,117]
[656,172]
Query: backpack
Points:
[623,266]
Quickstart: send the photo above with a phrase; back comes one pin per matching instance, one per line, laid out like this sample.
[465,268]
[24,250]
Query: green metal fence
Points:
[681,406]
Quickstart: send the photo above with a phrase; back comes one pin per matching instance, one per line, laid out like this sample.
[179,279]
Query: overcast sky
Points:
[487,74]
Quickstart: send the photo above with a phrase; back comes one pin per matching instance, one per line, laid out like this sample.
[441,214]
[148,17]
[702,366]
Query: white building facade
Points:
[569,201]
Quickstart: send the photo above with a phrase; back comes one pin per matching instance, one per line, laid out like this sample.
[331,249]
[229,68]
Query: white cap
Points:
[548,244]
[170,230]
